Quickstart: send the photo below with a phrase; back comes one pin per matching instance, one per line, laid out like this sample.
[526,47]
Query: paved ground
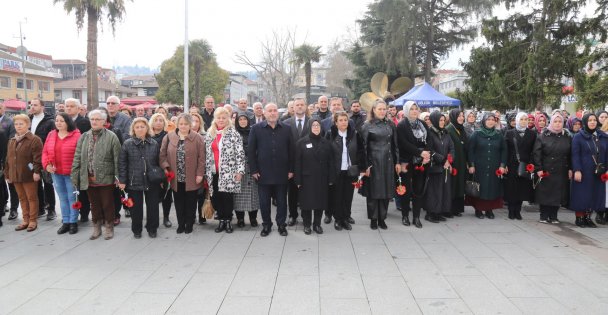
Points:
[463,266]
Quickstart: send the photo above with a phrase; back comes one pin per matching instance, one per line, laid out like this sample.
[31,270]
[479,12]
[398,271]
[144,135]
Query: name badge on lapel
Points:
[309,145]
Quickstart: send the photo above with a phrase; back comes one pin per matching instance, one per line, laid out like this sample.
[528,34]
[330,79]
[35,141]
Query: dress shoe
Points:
[229,227]
[152,234]
[373,224]
[518,215]
[21,226]
[307,230]
[431,218]
[405,220]
[180,229]
[282,230]
[382,224]
[128,214]
[448,215]
[32,226]
[439,217]
[266,229]
[417,223]
[338,226]
[327,220]
[589,222]
[580,222]
[292,221]
[240,223]
[489,214]
[350,220]
[63,229]
[137,235]
[600,218]
[254,222]
[188,228]
[511,215]
[166,222]
[318,229]
[479,214]
[221,227]
[346,225]
[13,215]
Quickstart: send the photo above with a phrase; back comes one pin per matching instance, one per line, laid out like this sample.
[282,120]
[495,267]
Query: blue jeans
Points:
[65,191]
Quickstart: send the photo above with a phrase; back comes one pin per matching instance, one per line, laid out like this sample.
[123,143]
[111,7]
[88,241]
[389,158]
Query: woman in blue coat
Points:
[588,193]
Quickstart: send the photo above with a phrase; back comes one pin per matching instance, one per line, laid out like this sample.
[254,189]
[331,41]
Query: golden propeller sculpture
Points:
[379,86]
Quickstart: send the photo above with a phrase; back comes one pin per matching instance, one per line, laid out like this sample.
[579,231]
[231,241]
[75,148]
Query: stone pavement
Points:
[463,266]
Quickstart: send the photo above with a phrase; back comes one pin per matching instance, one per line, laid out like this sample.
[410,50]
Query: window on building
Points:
[77,94]
[58,96]
[5,82]
[29,84]
[44,86]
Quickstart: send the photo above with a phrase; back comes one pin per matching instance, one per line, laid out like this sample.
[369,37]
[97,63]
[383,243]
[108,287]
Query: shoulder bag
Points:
[471,187]
[154,174]
[521,166]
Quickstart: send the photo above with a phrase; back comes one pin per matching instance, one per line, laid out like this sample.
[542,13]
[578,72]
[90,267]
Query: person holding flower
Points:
[589,158]
[438,196]
[57,156]
[487,154]
[553,168]
[138,156]
[518,186]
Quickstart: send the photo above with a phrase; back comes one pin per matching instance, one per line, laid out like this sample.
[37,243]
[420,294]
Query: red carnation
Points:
[419,168]
[454,172]
[107,125]
[129,203]
[499,173]
[170,176]
[77,205]
[545,174]
[357,184]
[604,177]
[400,190]
[450,159]
[530,168]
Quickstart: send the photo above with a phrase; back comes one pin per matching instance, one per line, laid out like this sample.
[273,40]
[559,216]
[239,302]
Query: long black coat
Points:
[381,150]
[438,195]
[552,154]
[518,188]
[314,171]
[354,146]
[270,153]
[460,161]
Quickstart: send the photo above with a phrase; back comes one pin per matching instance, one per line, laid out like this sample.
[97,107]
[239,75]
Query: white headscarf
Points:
[517,118]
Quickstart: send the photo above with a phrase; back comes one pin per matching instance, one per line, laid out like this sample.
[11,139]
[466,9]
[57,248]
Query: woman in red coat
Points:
[57,157]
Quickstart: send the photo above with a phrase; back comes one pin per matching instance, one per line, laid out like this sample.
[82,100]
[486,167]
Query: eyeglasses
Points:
[96,119]
[112,103]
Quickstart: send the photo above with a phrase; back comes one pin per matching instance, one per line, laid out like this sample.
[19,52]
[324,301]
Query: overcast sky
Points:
[152,29]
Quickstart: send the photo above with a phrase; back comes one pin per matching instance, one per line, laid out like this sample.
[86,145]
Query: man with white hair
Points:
[72,108]
[83,110]
[120,122]
[258,112]
[271,161]
[242,108]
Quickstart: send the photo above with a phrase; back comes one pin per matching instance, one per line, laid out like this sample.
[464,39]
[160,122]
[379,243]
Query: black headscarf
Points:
[313,137]
[510,118]
[244,132]
[435,117]
[586,123]
[454,113]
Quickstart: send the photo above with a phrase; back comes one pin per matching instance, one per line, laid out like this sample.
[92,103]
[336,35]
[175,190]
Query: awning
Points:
[14,104]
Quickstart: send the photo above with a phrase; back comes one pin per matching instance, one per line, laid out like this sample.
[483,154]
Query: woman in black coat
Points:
[314,173]
[518,188]
[158,123]
[382,163]
[459,137]
[438,196]
[347,152]
[552,155]
[413,153]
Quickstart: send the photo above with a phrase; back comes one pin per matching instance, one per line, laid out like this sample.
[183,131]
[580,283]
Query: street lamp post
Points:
[22,51]
[186,44]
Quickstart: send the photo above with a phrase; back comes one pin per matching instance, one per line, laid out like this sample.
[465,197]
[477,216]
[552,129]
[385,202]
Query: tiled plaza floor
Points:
[462,266]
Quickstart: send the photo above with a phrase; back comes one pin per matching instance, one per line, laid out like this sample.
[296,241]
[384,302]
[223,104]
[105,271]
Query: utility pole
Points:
[186,67]
[22,51]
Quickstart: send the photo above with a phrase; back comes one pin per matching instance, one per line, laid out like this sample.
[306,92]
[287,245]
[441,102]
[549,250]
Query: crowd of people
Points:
[308,162]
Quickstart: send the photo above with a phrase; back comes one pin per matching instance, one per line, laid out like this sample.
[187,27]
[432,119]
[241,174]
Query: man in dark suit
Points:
[300,127]
[42,124]
[208,111]
[271,154]
[258,113]
[72,108]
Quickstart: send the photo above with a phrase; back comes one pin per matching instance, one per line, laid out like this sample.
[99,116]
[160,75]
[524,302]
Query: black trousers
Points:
[185,205]
[307,216]
[240,215]
[167,200]
[341,199]
[547,212]
[266,192]
[117,203]
[292,199]
[377,209]
[222,202]
[46,195]
[515,206]
[13,196]
[404,201]
[458,205]
[137,211]
[200,201]
[3,194]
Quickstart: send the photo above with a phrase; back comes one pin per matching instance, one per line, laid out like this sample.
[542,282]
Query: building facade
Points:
[39,81]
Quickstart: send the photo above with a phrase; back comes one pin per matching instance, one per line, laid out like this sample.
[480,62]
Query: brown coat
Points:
[18,157]
[195,158]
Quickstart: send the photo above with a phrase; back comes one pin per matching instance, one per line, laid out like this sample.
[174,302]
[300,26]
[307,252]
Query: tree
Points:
[305,55]
[528,57]
[339,69]
[206,77]
[275,68]
[94,10]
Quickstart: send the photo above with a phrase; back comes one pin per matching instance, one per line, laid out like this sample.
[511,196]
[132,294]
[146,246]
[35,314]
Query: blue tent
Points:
[426,96]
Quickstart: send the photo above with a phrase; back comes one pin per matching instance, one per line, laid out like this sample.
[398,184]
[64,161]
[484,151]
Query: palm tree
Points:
[199,53]
[93,10]
[306,54]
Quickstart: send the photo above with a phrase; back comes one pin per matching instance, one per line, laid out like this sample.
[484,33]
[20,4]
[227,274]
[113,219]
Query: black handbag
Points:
[600,168]
[155,175]
[521,166]
[352,170]
[471,187]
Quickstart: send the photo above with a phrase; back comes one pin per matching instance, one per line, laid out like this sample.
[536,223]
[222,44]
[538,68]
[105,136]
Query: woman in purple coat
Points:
[589,155]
